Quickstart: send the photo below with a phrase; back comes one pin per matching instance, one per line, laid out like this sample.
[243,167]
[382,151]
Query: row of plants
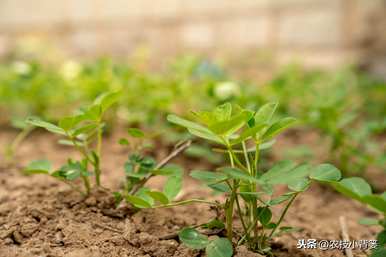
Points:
[249,191]
[346,107]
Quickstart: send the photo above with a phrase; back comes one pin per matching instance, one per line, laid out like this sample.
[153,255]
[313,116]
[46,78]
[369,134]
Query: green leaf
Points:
[284,230]
[220,187]
[193,239]
[68,123]
[174,183]
[223,112]
[264,215]
[69,142]
[369,222]
[219,247]
[244,191]
[228,127]
[214,224]
[235,173]
[194,128]
[158,196]
[85,129]
[185,123]
[38,167]
[117,198]
[207,134]
[267,188]
[123,141]
[354,187]
[135,132]
[247,133]
[375,201]
[381,238]
[379,252]
[280,199]
[138,201]
[265,113]
[106,100]
[299,185]
[43,124]
[278,127]
[208,177]
[286,172]
[266,145]
[326,173]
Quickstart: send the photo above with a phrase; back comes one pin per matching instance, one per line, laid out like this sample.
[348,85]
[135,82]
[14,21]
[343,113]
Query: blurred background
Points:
[324,61]
[244,33]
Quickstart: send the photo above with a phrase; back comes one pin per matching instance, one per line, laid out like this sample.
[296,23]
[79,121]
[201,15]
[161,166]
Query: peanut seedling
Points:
[83,131]
[242,134]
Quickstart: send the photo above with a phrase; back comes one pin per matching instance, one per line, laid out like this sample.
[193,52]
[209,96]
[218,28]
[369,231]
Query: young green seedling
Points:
[358,189]
[249,190]
[83,131]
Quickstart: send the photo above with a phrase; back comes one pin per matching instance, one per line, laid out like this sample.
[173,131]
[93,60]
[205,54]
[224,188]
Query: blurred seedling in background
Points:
[11,148]
[82,131]
[242,135]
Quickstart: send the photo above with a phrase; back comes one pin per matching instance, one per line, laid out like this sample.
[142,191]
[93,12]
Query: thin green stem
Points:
[248,231]
[229,205]
[253,205]
[185,202]
[246,157]
[282,215]
[17,141]
[256,160]
[99,154]
[236,160]
[241,214]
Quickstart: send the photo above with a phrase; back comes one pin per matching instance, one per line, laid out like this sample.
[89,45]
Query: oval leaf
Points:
[193,239]
[219,247]
[208,176]
[38,166]
[326,173]
[138,201]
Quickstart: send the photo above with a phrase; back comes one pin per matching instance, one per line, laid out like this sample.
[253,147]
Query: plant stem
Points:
[235,159]
[253,189]
[162,163]
[86,183]
[229,205]
[282,215]
[17,141]
[240,214]
[246,157]
[99,154]
[185,203]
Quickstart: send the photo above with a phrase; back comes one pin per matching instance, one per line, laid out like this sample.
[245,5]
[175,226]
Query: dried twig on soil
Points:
[108,228]
[343,226]
[162,163]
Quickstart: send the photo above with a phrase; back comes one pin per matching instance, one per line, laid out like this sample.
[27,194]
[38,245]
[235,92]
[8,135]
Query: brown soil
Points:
[40,216]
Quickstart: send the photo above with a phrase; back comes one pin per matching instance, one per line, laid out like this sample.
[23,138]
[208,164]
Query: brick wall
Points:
[317,32]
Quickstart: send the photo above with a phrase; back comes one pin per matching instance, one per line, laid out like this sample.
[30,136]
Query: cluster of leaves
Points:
[338,105]
[249,190]
[359,190]
[83,131]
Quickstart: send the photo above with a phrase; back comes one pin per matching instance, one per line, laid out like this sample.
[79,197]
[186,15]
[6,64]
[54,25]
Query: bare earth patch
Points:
[42,217]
